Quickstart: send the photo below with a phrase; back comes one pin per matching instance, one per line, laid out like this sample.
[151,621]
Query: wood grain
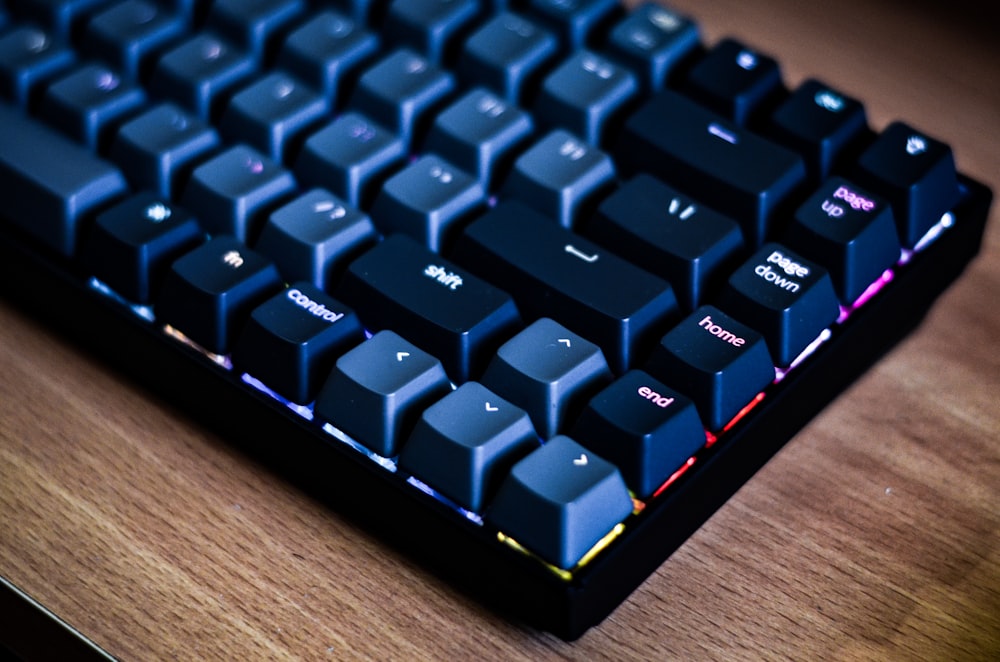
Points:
[874,534]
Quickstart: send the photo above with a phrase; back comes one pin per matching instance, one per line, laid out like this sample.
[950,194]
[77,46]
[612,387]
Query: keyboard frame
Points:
[57,292]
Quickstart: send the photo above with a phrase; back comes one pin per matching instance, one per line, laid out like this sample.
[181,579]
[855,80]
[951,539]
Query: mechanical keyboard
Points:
[527,288]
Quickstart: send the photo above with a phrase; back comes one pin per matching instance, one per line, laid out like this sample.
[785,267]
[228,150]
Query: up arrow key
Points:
[566,342]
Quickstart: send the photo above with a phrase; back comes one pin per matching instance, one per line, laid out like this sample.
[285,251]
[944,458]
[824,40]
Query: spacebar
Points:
[48,183]
[552,272]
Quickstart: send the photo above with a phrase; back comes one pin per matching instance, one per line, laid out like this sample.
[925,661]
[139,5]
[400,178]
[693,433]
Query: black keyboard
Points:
[529,289]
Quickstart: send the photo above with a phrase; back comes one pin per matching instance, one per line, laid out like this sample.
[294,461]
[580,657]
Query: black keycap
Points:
[253,24]
[548,371]
[127,34]
[507,55]
[272,114]
[132,244]
[230,192]
[199,72]
[716,361]
[378,390]
[648,430]
[670,235]
[314,237]
[326,51]
[432,27]
[464,444]
[788,298]
[560,176]
[50,184]
[29,56]
[560,502]
[350,156]
[820,123]
[291,341]
[209,293]
[438,306]
[401,92]
[480,133]
[652,40]
[87,103]
[577,23]
[734,80]
[916,173]
[157,148]
[850,232]
[711,159]
[553,272]
[428,200]
[584,95]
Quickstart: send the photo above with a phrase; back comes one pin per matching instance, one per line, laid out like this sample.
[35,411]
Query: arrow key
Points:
[377,391]
[550,372]
[560,501]
[464,444]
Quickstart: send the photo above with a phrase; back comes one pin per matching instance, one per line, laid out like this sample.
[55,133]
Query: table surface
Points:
[875,533]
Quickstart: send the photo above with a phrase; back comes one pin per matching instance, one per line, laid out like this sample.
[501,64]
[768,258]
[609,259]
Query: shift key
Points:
[49,183]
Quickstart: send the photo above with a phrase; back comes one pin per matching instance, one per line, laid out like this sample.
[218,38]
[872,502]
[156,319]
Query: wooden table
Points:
[874,534]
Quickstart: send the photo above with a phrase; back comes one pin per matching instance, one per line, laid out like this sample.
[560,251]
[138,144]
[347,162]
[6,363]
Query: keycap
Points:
[787,298]
[734,80]
[850,232]
[822,124]
[560,501]
[29,56]
[648,430]
[548,371]
[377,391]
[132,245]
[401,91]
[916,173]
[552,272]
[157,148]
[315,236]
[652,40]
[507,54]
[718,362]
[272,114]
[87,104]
[209,293]
[685,242]
[432,27]
[428,200]
[577,23]
[560,176]
[440,307]
[326,52]
[464,444]
[126,35]
[585,95]
[711,159]
[50,184]
[290,341]
[253,25]
[481,134]
[351,156]
[232,191]
[198,72]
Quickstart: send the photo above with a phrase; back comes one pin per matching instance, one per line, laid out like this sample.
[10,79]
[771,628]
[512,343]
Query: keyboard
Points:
[528,289]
